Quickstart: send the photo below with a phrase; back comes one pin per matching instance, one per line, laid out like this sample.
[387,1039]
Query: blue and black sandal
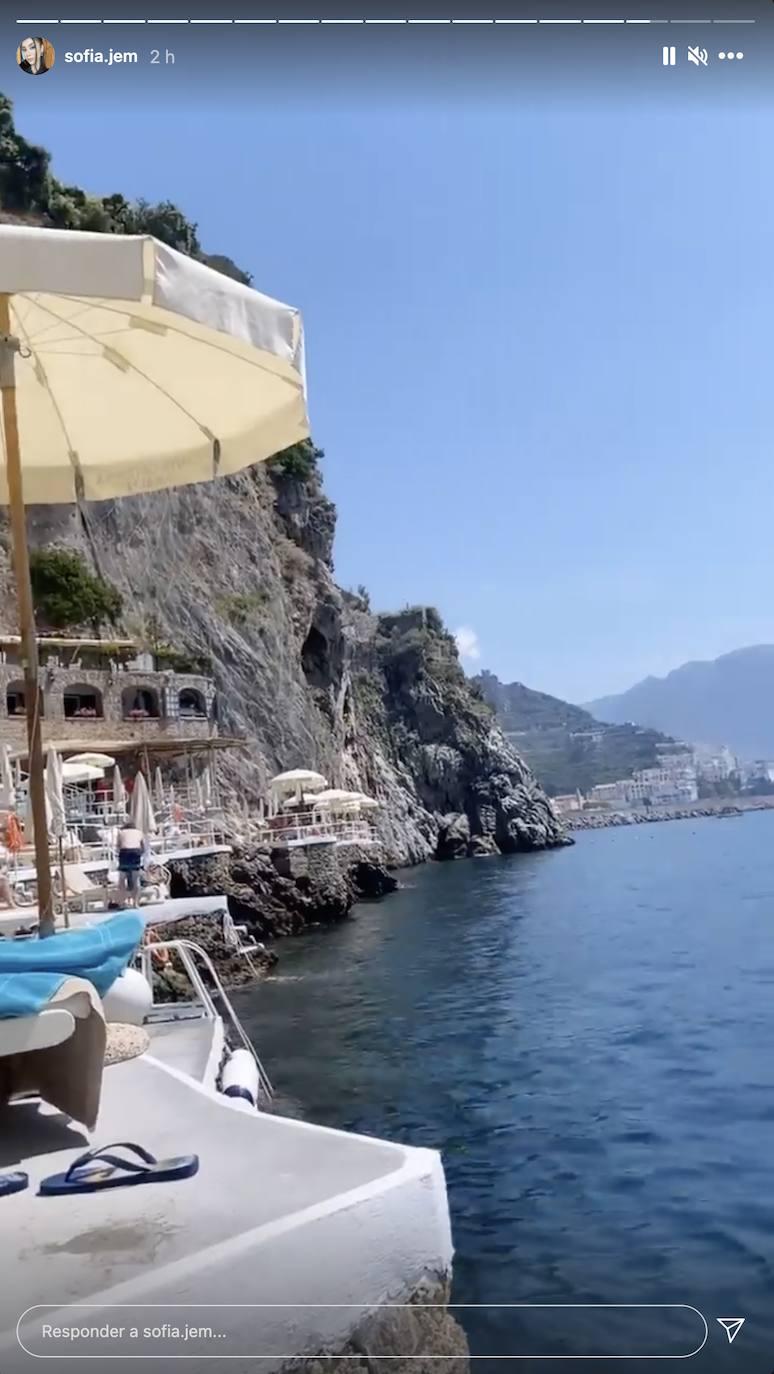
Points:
[98,1169]
[13,1183]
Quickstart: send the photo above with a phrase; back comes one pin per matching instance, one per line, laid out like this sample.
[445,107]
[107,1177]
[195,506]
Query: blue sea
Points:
[587,1036]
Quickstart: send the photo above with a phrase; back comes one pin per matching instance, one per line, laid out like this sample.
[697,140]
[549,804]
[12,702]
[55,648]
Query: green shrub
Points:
[67,594]
[182,662]
[300,461]
[26,184]
[239,607]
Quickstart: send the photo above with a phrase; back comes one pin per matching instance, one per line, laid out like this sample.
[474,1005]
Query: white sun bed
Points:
[57,1054]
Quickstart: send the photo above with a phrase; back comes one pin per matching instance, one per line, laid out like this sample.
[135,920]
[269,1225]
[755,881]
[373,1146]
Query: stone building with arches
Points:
[90,685]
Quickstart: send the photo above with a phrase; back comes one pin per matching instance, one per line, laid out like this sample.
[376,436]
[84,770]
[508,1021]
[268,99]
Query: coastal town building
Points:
[760,768]
[675,785]
[567,804]
[716,765]
[607,794]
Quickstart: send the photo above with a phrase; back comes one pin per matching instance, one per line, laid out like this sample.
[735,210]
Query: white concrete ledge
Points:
[281,1212]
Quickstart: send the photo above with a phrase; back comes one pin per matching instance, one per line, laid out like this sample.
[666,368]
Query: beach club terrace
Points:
[93,688]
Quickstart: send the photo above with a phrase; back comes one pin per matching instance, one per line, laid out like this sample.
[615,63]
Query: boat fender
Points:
[239,1078]
[243,1093]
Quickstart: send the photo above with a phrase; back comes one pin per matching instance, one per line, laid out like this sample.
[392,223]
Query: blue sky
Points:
[539,343]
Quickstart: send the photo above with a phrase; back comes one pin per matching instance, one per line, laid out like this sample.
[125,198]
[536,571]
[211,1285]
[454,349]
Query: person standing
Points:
[130,860]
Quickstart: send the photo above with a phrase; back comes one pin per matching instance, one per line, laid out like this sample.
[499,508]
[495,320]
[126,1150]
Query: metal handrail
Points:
[189,952]
[304,828]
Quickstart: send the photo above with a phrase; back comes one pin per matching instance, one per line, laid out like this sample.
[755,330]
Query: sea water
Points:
[587,1035]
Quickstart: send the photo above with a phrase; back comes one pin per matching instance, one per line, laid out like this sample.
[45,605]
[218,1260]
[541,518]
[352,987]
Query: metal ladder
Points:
[189,953]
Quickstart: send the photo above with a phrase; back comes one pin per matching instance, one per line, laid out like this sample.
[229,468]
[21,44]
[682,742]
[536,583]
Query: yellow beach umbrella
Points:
[126,367]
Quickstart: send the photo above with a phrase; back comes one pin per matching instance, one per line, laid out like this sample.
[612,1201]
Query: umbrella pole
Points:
[64,880]
[21,562]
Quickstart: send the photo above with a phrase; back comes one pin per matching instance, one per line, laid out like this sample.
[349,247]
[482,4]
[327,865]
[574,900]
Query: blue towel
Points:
[32,971]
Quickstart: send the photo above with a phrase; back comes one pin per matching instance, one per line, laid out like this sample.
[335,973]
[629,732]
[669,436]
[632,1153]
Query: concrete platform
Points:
[281,1212]
[154,913]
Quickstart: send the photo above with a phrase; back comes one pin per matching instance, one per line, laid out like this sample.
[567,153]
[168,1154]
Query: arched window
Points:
[82,702]
[191,704]
[139,703]
[15,699]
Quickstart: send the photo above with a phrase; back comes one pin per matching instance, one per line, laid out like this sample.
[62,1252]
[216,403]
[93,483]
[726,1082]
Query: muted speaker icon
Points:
[698,56]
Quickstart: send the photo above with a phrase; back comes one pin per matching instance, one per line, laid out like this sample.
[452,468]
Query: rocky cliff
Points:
[239,572]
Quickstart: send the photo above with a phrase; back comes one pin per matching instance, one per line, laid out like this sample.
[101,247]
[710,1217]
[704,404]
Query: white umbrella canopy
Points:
[126,367]
[284,783]
[158,789]
[293,783]
[141,810]
[334,797]
[7,787]
[101,761]
[79,772]
[360,802]
[119,791]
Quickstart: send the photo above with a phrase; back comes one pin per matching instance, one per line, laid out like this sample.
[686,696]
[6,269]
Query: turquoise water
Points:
[588,1037]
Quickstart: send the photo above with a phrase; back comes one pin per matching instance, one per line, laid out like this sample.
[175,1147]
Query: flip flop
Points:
[13,1183]
[98,1169]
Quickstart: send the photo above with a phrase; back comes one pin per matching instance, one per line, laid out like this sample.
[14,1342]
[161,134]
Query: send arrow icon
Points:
[732,1326]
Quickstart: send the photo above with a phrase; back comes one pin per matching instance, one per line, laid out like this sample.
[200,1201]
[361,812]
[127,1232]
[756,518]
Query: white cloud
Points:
[467,642]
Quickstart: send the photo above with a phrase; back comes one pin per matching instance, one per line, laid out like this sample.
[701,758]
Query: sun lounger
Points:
[52,1024]
[83,894]
[58,1053]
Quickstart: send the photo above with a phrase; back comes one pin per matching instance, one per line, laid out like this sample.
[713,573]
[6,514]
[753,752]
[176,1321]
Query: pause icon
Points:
[669,56]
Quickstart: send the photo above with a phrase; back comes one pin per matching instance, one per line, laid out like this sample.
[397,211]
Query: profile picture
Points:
[35,56]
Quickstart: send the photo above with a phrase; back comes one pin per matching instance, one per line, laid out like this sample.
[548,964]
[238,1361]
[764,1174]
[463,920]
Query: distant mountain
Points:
[727,700]
[565,746]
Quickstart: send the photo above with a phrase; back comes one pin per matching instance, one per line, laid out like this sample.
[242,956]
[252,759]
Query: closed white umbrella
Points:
[126,367]
[7,788]
[119,792]
[158,789]
[55,795]
[58,816]
[141,810]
